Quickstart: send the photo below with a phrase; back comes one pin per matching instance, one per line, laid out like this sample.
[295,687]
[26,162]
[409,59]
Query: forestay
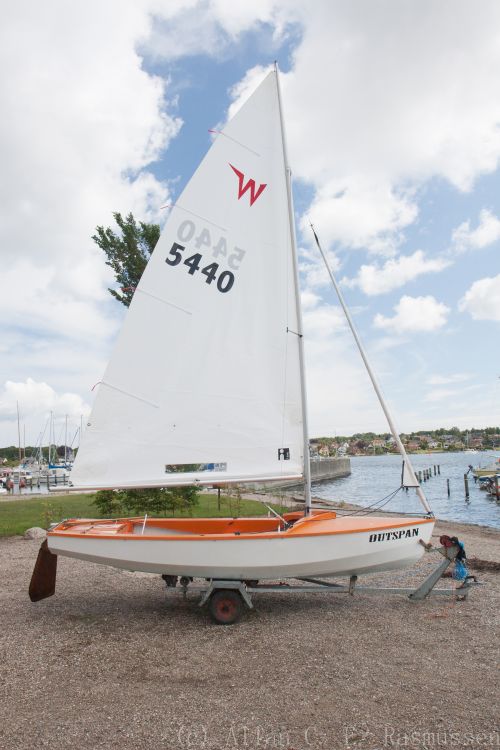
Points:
[204,381]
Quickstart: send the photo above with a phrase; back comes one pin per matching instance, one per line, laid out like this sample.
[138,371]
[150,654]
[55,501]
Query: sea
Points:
[373,479]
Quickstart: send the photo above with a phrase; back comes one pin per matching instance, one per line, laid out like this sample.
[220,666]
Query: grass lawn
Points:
[18,515]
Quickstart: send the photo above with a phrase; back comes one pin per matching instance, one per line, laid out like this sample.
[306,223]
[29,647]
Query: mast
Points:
[303,393]
[66,441]
[395,434]
[51,428]
[19,433]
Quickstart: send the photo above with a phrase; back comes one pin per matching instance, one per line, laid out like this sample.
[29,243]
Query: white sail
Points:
[204,381]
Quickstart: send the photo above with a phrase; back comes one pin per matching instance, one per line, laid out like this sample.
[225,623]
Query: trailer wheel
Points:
[225,607]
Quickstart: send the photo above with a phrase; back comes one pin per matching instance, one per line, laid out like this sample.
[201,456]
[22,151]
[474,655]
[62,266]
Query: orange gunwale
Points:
[345,525]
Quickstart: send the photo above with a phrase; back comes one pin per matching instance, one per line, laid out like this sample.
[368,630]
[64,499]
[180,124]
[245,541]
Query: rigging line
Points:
[221,132]
[127,393]
[374,506]
[165,301]
[377,506]
[198,216]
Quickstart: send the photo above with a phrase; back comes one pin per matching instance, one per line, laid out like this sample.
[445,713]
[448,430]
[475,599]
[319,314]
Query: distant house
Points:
[313,447]
[343,449]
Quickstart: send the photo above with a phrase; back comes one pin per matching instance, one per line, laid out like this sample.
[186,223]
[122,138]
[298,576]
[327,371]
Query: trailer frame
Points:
[228,607]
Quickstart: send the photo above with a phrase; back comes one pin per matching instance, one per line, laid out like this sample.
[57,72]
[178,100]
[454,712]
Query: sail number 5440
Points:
[224,280]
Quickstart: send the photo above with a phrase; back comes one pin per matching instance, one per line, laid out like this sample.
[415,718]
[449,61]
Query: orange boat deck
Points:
[319,523]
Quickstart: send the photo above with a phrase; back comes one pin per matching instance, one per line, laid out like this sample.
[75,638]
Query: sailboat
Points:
[206,386]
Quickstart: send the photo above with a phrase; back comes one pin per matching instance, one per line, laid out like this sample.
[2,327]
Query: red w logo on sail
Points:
[250,185]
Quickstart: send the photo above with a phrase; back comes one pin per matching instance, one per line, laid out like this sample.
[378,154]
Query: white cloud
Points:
[482,300]
[437,395]
[413,314]
[486,233]
[36,400]
[366,133]
[359,212]
[322,322]
[212,27]
[85,121]
[76,138]
[458,377]
[340,396]
[309,299]
[52,305]
[313,269]
[375,279]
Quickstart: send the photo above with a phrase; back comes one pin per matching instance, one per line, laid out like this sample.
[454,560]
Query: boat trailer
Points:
[226,599]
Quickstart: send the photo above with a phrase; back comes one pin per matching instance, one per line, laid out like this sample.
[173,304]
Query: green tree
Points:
[127,252]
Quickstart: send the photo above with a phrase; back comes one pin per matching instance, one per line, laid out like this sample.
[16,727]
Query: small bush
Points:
[50,513]
[153,501]
[108,502]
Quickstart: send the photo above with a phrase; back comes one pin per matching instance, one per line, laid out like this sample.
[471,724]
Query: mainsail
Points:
[204,382]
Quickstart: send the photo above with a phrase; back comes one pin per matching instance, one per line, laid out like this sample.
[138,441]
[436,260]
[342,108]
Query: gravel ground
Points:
[115,661]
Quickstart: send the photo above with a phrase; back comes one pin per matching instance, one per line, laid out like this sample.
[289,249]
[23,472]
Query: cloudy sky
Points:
[393,120]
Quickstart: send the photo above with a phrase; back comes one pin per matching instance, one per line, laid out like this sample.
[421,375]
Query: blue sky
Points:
[393,115]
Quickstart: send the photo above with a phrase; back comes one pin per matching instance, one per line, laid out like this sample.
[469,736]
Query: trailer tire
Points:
[225,607]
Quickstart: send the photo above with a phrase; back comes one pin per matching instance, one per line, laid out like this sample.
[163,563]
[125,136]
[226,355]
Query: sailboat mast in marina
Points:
[206,386]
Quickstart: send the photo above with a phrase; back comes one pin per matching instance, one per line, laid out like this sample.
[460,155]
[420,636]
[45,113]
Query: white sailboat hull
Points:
[236,558]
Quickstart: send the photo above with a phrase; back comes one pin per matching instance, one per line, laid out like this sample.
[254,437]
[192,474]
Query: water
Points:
[374,477]
[35,491]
